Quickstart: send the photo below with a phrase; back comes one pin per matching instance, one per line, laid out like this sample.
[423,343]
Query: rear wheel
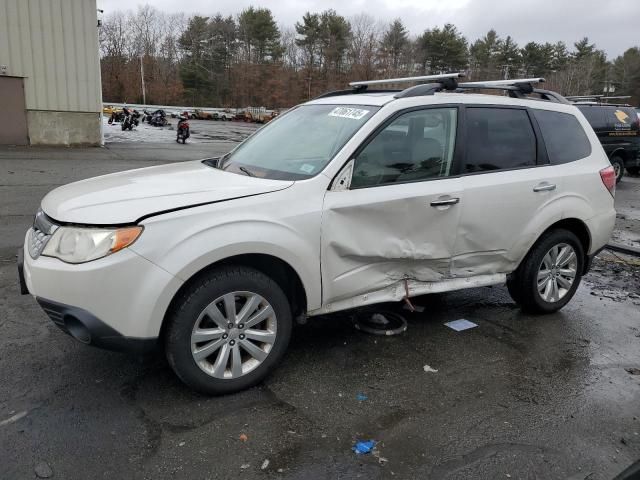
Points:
[618,167]
[550,273]
[228,330]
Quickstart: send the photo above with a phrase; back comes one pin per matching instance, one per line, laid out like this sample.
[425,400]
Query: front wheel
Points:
[618,166]
[228,330]
[549,275]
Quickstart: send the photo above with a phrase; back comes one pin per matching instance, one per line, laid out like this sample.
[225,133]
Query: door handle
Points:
[544,187]
[445,202]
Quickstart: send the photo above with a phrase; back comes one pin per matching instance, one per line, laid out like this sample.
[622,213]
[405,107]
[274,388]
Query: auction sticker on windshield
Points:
[348,112]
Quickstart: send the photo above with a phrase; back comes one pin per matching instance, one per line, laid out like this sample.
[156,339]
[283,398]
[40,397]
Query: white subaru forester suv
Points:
[355,198]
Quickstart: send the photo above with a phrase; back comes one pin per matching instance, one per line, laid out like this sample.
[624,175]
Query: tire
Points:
[192,309]
[123,127]
[635,171]
[523,283]
[618,166]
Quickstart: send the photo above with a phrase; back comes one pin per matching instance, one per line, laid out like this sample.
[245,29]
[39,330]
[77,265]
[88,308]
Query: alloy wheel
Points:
[557,272]
[234,334]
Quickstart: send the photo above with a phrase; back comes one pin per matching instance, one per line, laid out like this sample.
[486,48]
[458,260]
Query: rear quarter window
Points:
[563,136]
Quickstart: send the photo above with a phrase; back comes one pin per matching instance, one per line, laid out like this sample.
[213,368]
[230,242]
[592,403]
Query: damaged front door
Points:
[396,224]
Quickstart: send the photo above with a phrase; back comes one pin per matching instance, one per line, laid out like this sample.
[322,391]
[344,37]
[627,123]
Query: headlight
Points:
[78,245]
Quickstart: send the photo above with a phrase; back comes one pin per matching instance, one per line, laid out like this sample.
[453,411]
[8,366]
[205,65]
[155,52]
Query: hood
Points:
[125,197]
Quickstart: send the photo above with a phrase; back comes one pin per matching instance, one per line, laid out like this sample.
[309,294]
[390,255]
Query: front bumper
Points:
[115,302]
[87,328]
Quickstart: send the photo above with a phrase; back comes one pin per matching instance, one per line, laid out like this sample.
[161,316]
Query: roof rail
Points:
[516,87]
[423,78]
[499,83]
[581,97]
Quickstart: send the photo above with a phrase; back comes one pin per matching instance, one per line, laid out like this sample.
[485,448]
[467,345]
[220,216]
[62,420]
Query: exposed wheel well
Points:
[275,268]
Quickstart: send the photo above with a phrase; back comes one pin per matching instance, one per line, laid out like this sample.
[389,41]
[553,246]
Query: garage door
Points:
[13,115]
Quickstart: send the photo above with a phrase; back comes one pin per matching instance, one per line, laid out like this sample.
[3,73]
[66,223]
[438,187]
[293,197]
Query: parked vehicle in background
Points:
[202,115]
[183,128]
[348,200]
[224,115]
[109,109]
[117,115]
[259,115]
[618,129]
[131,119]
[146,116]
[158,118]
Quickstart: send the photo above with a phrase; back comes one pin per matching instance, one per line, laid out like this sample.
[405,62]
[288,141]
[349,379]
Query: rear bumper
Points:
[600,228]
[87,328]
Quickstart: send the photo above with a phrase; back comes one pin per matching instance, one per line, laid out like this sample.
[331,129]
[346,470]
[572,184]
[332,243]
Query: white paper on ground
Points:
[429,369]
[460,325]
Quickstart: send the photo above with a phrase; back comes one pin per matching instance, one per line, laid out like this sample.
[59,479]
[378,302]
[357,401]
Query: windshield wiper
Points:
[244,170]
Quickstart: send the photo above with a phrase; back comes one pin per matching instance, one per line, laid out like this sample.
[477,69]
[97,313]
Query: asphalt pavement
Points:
[520,397]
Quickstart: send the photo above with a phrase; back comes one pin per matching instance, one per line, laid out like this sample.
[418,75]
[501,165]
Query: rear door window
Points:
[563,136]
[498,139]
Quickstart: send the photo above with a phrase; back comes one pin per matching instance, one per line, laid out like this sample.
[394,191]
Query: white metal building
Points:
[50,89]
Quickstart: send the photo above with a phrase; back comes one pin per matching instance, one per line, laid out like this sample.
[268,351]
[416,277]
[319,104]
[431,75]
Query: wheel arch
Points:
[619,152]
[575,226]
[274,267]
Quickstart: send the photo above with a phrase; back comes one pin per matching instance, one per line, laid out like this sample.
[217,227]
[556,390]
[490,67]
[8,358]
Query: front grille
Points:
[43,228]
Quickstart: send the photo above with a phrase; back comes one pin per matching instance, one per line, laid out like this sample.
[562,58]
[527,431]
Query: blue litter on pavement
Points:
[361,397]
[460,325]
[364,447]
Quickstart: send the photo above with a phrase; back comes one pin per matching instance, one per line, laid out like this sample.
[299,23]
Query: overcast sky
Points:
[614,25]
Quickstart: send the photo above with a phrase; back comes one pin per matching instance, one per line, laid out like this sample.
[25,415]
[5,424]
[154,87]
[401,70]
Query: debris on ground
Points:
[244,466]
[380,322]
[243,437]
[381,460]
[363,447]
[361,397]
[633,370]
[614,276]
[265,464]
[13,418]
[460,325]
[43,470]
[428,369]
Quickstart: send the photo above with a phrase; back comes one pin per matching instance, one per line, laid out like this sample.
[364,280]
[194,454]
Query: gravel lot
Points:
[517,397]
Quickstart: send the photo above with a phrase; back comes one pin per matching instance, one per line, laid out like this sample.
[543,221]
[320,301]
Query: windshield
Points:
[298,144]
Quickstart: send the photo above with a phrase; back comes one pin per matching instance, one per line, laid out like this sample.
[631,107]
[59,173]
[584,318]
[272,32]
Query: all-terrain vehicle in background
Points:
[358,197]
[618,129]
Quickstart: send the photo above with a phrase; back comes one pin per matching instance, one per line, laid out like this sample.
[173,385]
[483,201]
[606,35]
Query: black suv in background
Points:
[618,129]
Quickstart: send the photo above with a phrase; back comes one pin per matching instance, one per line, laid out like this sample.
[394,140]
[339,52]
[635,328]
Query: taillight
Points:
[608,176]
